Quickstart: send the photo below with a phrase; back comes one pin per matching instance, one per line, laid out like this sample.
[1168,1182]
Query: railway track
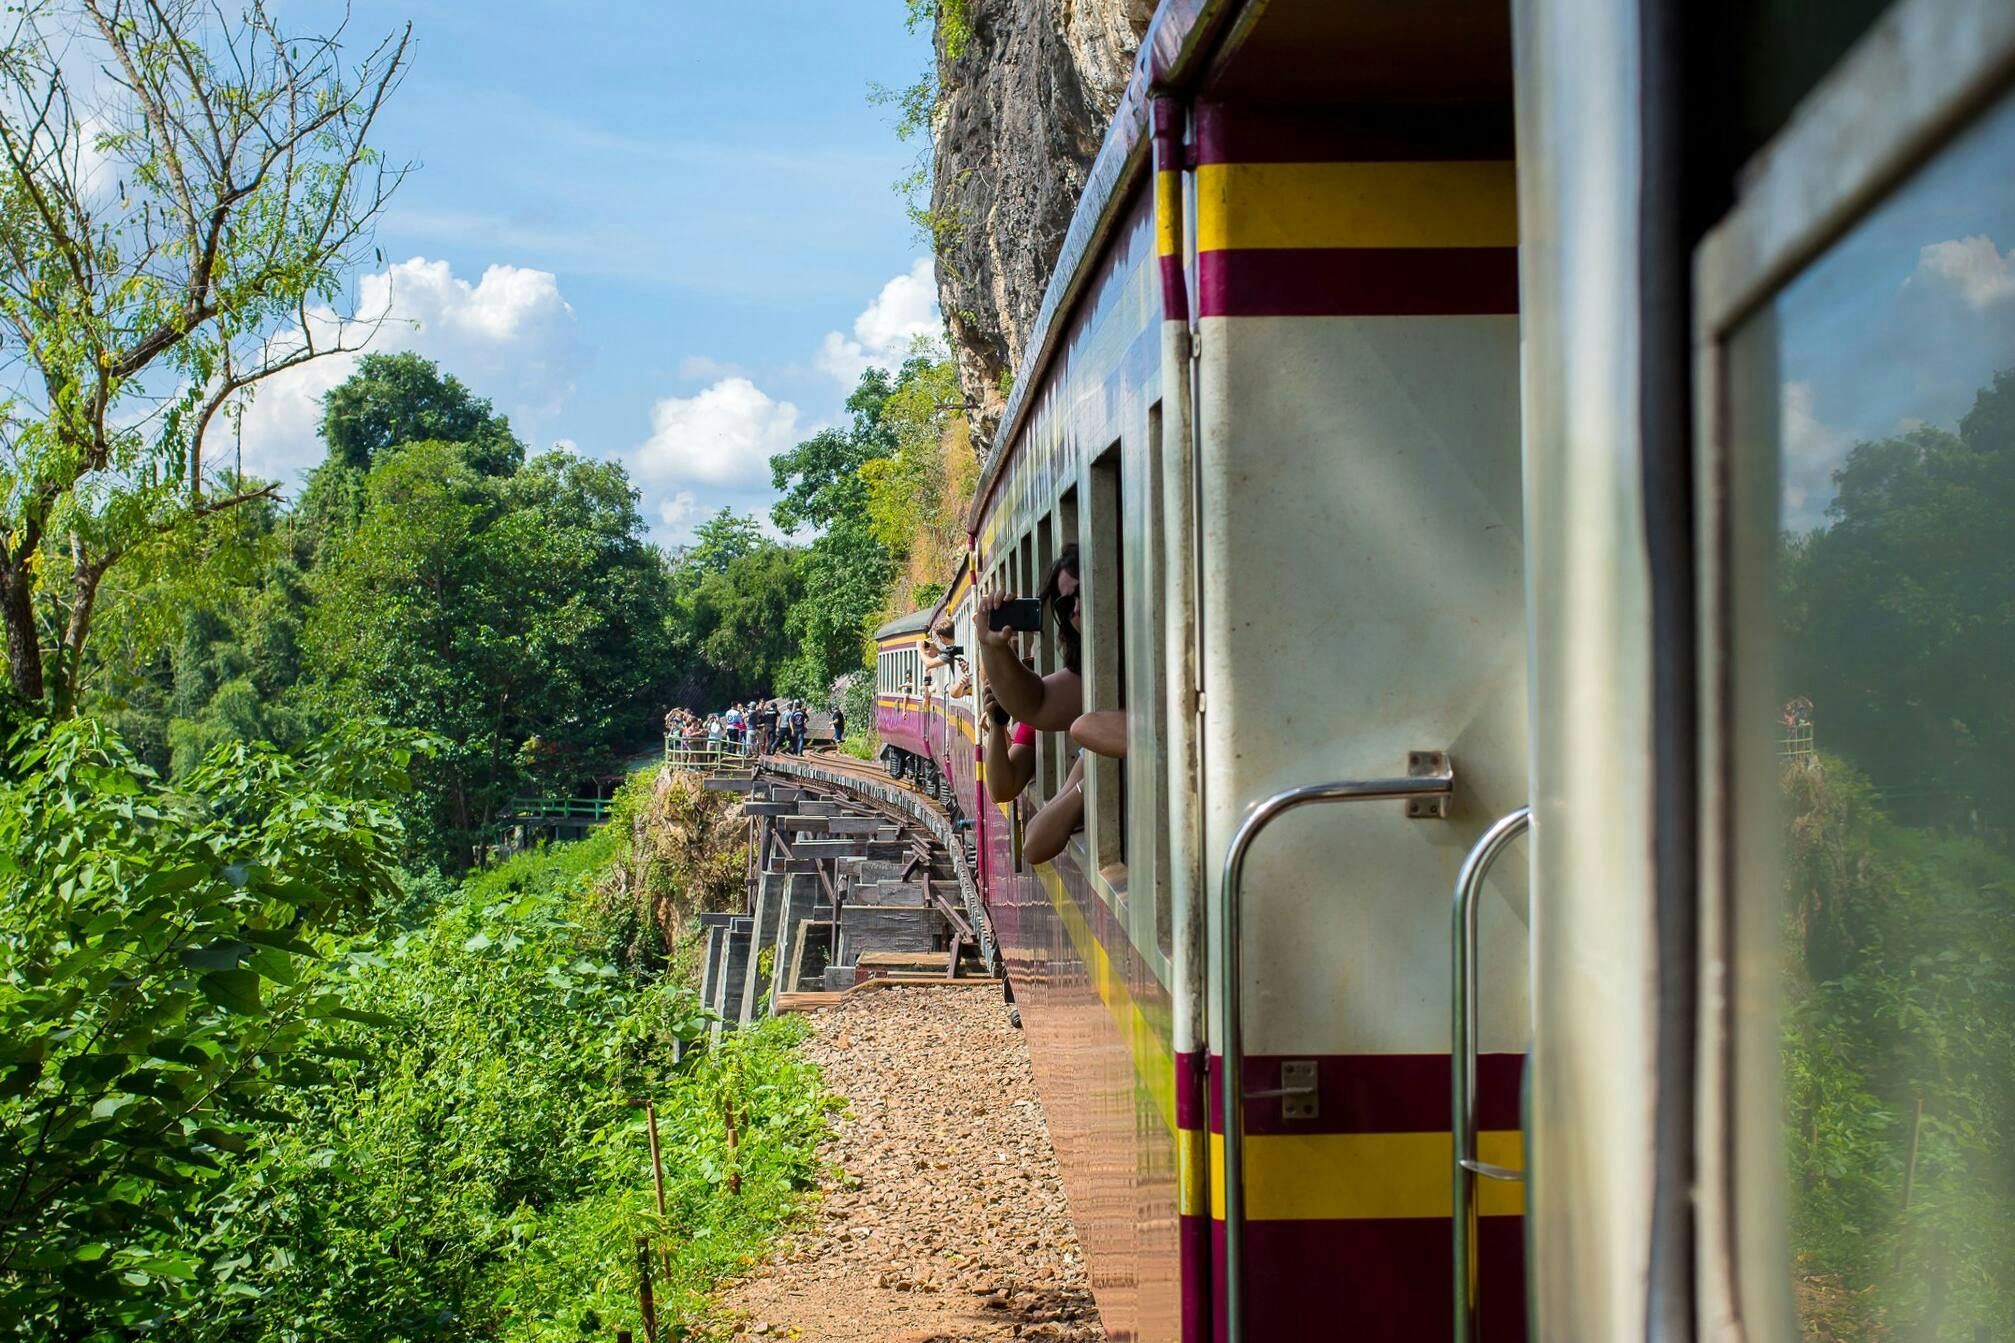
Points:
[852,879]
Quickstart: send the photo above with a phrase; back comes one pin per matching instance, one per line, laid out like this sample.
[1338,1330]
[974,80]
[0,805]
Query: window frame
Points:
[1922,75]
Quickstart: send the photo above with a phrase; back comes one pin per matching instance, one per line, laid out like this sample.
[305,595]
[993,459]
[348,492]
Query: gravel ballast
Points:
[942,1218]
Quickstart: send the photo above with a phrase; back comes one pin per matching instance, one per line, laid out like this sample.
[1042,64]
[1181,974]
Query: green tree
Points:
[845,570]
[739,621]
[519,618]
[1902,628]
[393,399]
[718,542]
[168,244]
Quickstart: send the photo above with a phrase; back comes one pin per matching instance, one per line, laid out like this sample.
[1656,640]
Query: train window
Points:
[1041,552]
[1869,547]
[1103,617]
[1056,531]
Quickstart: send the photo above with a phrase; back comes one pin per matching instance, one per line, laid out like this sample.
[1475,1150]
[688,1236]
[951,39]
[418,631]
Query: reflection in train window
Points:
[1102,613]
[1871,544]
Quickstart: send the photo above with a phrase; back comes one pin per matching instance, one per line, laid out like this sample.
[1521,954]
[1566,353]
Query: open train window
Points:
[1859,314]
[1102,613]
[1039,787]
[1056,531]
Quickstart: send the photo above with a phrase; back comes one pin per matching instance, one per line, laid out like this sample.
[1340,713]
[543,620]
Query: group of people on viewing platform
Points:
[1019,703]
[760,727]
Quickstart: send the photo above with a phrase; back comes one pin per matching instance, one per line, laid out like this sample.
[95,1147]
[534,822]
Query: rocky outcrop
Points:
[1021,111]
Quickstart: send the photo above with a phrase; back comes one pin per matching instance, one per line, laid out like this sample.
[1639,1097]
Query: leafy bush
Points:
[253,1090]
[165,995]
[1899,1059]
[481,1173]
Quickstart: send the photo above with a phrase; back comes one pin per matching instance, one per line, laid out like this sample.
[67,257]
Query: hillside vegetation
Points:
[291,1046]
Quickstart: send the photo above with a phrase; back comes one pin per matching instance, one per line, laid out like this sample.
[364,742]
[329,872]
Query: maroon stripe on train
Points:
[1202,1268]
[1190,1100]
[1371,1280]
[1358,282]
[1174,290]
[1245,134]
[1168,158]
[1374,1093]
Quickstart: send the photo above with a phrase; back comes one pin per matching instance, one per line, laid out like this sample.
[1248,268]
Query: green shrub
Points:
[481,1173]
[168,999]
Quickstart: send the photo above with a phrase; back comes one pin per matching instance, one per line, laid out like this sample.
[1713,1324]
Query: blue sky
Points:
[663,232]
[1902,321]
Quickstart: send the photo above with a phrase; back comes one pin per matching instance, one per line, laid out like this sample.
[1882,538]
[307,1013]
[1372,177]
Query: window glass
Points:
[1871,553]
[1103,609]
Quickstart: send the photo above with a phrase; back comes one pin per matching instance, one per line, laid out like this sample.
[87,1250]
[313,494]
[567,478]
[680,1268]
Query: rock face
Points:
[1021,112]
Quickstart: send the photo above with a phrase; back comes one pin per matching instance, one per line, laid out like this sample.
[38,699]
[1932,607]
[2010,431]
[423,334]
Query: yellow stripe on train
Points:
[1316,205]
[1350,1176]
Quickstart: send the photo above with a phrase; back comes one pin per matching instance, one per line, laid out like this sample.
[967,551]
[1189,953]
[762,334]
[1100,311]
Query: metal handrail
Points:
[1462,1052]
[1428,783]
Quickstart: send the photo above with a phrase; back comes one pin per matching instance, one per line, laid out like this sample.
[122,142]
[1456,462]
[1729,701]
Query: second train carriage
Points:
[1336,527]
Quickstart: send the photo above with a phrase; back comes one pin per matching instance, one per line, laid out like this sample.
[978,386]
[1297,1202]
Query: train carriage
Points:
[1429,392]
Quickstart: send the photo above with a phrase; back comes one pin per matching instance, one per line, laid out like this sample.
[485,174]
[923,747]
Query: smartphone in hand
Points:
[1023,613]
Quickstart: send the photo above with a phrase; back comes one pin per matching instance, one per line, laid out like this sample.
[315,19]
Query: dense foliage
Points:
[486,1176]
[1901,625]
[519,616]
[166,995]
[1898,1044]
[259,1086]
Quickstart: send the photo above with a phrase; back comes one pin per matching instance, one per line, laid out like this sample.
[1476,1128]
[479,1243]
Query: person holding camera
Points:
[1046,703]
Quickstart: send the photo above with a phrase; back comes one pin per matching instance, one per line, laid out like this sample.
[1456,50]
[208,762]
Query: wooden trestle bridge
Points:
[854,882]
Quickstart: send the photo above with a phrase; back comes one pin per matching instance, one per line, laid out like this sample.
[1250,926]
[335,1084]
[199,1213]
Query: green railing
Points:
[584,810]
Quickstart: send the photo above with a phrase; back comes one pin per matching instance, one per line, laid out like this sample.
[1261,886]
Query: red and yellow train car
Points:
[1428,391]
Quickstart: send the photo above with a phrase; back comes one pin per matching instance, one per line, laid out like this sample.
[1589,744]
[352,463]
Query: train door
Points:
[1362,660]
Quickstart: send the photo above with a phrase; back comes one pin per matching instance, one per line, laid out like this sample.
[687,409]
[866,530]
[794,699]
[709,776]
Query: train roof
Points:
[916,622]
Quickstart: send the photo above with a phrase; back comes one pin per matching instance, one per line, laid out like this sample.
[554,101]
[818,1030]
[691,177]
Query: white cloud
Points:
[1812,450]
[1983,275]
[510,337]
[888,329]
[724,436]
[678,514]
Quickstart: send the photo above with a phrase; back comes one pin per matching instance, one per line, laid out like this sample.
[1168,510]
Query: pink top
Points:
[1024,735]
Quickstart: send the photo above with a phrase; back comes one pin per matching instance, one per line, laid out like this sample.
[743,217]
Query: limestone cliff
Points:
[1021,110]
